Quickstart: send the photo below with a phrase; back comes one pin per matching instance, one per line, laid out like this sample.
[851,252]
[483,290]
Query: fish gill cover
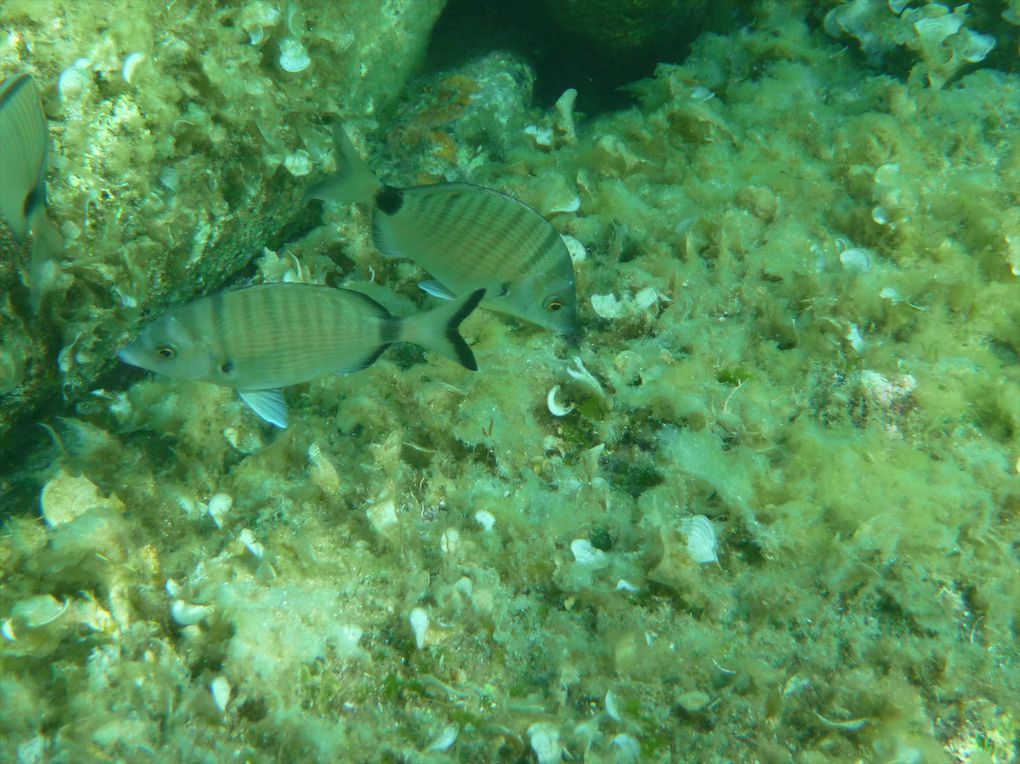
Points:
[766,507]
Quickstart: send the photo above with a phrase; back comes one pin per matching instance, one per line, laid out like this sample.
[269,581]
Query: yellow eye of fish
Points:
[166,352]
[553,306]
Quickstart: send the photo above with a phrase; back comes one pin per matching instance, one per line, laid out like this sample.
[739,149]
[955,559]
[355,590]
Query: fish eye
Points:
[166,352]
[554,304]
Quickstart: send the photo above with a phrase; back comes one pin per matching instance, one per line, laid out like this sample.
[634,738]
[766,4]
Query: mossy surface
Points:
[799,285]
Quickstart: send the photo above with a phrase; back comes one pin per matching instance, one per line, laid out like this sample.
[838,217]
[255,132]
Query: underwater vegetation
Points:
[764,507]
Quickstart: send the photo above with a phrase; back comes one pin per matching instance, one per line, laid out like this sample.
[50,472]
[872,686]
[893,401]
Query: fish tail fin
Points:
[438,329]
[47,245]
[353,180]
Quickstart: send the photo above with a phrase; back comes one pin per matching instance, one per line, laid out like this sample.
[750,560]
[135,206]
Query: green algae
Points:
[856,453]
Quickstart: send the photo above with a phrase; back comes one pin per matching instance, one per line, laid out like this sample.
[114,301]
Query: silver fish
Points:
[467,237]
[262,338]
[23,146]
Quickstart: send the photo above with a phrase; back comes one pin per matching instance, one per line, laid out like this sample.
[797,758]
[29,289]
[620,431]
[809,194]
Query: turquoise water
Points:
[765,509]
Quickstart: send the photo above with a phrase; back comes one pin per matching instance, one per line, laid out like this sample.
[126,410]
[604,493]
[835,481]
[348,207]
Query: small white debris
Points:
[623,585]
[173,588]
[701,94]
[485,519]
[444,740]
[382,515]
[855,338]
[701,541]
[545,742]
[648,297]
[130,67]
[419,620]
[247,538]
[542,136]
[219,506]
[323,472]
[186,614]
[587,555]
[554,406]
[220,689]
[293,56]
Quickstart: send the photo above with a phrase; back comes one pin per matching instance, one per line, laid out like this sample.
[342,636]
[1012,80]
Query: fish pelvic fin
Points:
[353,180]
[268,404]
[438,329]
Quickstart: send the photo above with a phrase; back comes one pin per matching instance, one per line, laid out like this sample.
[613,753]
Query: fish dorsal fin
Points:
[436,289]
[268,404]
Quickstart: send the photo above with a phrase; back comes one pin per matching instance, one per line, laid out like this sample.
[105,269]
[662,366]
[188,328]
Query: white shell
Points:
[627,748]
[545,742]
[73,81]
[577,250]
[419,620]
[219,506]
[293,56]
[247,538]
[38,611]
[701,541]
[485,519]
[890,294]
[130,66]
[444,740]
[449,541]
[977,47]
[856,259]
[298,164]
[607,305]
[611,708]
[587,555]
[554,406]
[187,614]
[220,689]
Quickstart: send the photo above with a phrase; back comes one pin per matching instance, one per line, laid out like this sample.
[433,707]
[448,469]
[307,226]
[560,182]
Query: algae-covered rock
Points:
[182,135]
[625,26]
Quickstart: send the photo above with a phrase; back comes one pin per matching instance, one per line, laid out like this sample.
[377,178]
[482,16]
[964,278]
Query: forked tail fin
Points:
[353,180]
[438,329]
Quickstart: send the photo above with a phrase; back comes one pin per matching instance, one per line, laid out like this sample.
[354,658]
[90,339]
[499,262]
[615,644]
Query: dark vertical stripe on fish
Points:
[541,251]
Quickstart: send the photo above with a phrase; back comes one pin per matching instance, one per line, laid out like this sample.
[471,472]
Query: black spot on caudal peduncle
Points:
[227,366]
[389,200]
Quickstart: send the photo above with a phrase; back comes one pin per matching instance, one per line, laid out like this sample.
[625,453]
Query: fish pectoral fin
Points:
[436,289]
[268,404]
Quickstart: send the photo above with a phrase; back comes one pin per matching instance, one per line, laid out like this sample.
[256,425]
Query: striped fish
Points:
[467,237]
[262,338]
[23,145]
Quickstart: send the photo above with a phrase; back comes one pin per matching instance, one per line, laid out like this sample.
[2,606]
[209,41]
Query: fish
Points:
[467,237]
[24,139]
[262,338]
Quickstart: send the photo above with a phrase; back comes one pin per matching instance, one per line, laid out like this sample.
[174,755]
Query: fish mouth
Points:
[127,356]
